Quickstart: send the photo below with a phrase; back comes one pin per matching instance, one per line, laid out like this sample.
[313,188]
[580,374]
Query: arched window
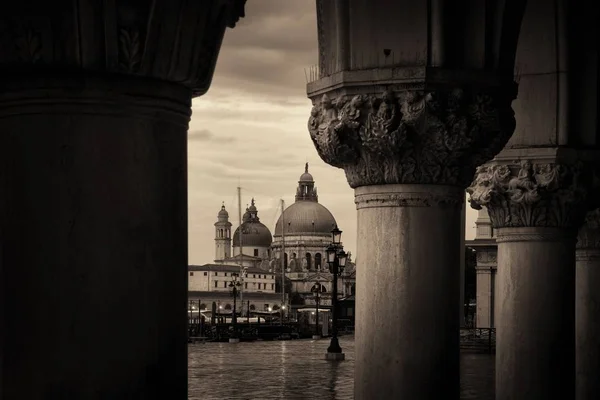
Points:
[308,261]
[203,306]
[275,307]
[285,260]
[228,306]
[318,260]
[252,307]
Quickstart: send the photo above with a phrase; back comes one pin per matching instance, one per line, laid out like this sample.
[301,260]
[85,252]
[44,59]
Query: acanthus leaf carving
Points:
[126,38]
[130,52]
[29,47]
[427,137]
[589,233]
[531,195]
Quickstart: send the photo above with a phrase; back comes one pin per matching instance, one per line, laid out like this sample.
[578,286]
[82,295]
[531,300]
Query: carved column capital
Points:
[529,194]
[172,40]
[589,233]
[414,136]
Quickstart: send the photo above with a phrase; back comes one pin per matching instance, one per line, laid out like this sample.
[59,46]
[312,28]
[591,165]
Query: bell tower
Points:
[222,235]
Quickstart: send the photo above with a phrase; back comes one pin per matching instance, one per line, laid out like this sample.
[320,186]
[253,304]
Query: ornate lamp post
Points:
[234,284]
[336,258]
[317,288]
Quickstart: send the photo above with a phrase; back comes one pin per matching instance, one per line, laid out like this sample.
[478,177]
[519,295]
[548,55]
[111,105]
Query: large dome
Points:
[253,234]
[306,217]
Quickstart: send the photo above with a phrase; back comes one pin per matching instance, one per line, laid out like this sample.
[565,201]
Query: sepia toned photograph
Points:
[299,199]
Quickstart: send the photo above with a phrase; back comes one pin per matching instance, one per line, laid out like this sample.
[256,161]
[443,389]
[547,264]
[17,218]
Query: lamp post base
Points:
[334,346]
[335,356]
[316,337]
[234,340]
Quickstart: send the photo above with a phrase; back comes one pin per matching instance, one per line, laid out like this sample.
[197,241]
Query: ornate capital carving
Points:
[589,233]
[414,136]
[487,257]
[526,194]
[171,40]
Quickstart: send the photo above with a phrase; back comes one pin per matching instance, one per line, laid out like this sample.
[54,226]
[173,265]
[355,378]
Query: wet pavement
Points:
[296,370]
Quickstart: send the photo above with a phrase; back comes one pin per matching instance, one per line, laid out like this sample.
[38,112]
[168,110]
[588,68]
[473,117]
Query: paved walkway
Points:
[296,370]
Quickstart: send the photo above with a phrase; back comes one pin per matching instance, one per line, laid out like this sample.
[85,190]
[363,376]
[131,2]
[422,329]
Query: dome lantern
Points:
[306,190]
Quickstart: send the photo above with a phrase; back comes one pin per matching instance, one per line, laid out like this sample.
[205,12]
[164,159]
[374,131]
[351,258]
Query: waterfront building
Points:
[303,230]
[210,283]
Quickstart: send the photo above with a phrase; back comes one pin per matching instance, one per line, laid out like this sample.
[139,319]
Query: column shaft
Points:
[407,321]
[535,339]
[485,297]
[94,238]
[587,322]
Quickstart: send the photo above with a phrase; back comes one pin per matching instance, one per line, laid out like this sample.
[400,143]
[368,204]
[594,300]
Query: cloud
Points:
[269,49]
[204,135]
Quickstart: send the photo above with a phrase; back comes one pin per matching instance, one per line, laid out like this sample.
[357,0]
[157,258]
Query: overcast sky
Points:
[250,130]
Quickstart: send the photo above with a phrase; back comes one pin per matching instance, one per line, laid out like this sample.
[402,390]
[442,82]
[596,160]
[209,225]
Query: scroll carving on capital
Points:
[527,194]
[589,233]
[414,136]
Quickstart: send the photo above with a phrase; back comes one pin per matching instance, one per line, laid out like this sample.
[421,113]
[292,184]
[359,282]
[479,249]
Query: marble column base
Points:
[535,341]
[407,321]
[93,243]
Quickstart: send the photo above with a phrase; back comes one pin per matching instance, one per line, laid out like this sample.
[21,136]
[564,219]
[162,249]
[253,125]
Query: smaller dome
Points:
[252,207]
[254,234]
[306,177]
[223,213]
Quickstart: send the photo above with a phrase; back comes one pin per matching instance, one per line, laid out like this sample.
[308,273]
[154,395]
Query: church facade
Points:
[299,243]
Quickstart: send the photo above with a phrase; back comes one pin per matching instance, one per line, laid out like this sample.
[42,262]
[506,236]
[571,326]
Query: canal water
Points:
[296,370]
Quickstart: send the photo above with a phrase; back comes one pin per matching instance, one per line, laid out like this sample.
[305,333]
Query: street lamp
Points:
[317,288]
[234,284]
[282,313]
[336,258]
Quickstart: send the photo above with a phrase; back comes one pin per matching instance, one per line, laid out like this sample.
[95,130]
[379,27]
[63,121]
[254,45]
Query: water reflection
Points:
[297,370]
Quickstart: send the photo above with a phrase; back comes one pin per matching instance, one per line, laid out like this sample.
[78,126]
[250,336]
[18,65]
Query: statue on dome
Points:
[306,168]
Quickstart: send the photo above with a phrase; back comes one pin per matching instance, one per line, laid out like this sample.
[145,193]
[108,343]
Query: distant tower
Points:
[222,235]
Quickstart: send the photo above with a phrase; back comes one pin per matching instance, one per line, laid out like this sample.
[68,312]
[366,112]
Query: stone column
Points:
[587,308]
[94,110]
[409,155]
[486,270]
[536,209]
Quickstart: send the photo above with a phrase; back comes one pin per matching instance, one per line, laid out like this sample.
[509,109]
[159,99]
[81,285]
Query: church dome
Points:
[254,232]
[306,217]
